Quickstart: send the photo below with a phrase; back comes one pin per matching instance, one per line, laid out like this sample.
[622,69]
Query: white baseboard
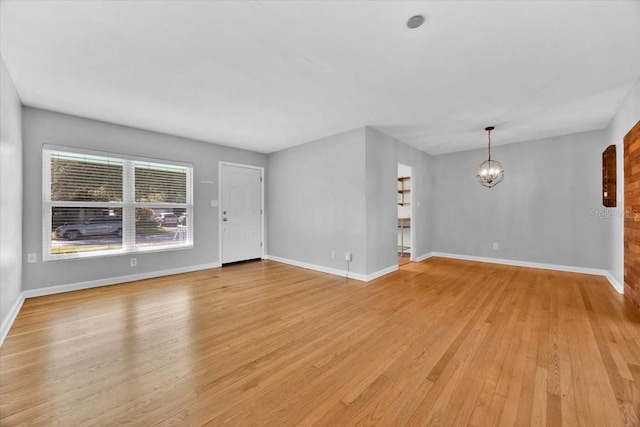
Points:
[517,263]
[334,271]
[527,264]
[616,285]
[381,273]
[423,257]
[31,293]
[11,317]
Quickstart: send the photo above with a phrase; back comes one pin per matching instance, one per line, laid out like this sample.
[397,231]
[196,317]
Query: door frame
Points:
[412,208]
[262,231]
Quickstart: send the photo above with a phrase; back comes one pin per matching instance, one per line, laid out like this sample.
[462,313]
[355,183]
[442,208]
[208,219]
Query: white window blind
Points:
[97,205]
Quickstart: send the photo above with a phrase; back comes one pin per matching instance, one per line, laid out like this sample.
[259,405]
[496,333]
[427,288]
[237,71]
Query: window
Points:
[97,205]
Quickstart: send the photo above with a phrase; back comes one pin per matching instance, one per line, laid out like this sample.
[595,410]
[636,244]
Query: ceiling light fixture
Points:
[490,172]
[415,21]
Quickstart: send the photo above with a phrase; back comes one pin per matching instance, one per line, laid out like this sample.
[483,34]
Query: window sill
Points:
[115,252]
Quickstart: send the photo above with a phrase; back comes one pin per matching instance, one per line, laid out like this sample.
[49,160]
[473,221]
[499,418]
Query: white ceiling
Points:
[266,75]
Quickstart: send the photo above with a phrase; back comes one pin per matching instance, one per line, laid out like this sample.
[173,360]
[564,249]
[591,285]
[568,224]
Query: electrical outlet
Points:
[32,258]
[134,262]
[333,254]
[496,246]
[347,256]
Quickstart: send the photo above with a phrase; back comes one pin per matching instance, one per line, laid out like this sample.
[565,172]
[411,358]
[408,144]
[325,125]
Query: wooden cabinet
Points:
[609,177]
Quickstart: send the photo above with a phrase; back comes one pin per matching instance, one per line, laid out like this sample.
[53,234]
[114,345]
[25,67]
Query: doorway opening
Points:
[405,235]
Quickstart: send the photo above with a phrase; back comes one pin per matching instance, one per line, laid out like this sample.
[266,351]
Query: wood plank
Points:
[631,207]
[438,342]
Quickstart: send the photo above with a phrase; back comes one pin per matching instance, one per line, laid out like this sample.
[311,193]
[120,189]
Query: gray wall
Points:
[46,127]
[316,201]
[383,154]
[339,193]
[11,193]
[542,211]
[626,117]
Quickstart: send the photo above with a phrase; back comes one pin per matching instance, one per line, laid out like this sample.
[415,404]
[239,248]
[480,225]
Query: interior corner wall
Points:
[626,117]
[383,154]
[11,195]
[547,210]
[47,127]
[316,202]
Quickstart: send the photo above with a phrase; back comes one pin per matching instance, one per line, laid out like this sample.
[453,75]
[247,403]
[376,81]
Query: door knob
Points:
[224,219]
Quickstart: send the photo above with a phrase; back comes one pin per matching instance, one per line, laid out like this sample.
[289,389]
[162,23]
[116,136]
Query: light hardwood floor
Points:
[441,342]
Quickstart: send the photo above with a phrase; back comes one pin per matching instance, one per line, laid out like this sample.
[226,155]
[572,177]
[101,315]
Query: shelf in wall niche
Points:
[404,190]
[404,222]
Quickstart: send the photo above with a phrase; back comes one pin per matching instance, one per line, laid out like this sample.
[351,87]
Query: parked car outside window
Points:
[100,226]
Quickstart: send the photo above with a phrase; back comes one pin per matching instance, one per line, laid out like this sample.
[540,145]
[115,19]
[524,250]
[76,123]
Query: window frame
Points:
[128,205]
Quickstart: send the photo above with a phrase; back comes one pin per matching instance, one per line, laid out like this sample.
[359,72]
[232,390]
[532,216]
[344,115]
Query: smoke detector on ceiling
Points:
[415,21]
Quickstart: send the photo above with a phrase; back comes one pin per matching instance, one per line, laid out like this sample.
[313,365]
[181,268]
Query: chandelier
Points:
[490,172]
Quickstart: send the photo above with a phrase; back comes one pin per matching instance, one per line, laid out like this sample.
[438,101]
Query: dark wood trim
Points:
[632,215]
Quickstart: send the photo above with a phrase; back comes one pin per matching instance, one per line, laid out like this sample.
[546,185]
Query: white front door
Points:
[241,209]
